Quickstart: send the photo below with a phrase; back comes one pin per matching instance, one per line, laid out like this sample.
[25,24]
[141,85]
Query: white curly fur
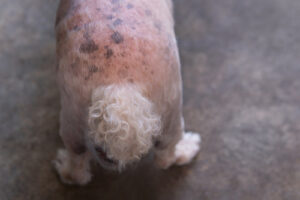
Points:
[123,122]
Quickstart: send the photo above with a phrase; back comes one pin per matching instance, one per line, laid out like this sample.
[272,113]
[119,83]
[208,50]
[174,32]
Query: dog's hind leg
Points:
[176,147]
[72,163]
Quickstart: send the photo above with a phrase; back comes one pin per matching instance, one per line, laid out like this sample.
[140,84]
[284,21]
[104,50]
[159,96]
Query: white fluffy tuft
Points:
[123,122]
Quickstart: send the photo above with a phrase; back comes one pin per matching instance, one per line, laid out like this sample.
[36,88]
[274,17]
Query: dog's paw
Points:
[187,148]
[71,170]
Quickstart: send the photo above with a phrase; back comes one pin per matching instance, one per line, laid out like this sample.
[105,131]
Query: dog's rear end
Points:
[119,76]
[122,122]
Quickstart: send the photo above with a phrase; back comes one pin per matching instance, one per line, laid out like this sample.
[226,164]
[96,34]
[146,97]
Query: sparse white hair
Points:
[123,122]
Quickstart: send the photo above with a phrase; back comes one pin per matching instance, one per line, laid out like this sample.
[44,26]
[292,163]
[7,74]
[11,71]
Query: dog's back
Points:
[118,70]
[119,77]
[104,42]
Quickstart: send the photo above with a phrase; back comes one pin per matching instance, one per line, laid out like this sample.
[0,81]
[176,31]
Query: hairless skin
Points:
[123,43]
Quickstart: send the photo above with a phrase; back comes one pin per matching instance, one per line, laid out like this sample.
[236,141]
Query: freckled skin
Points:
[129,6]
[102,42]
[88,46]
[117,37]
[117,22]
[109,52]
[115,1]
[109,17]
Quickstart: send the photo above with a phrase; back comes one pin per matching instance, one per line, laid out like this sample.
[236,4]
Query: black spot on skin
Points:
[114,9]
[87,31]
[117,22]
[86,34]
[148,12]
[157,25]
[115,1]
[109,17]
[109,52]
[129,6]
[117,37]
[88,47]
[93,69]
[152,72]
[98,9]
[76,28]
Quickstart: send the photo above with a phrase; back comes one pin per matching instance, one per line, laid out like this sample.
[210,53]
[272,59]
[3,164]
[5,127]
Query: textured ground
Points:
[241,73]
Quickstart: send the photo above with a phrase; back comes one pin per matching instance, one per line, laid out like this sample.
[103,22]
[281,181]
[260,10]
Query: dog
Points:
[118,71]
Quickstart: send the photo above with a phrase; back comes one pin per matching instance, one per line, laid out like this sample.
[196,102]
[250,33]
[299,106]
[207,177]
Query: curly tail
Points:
[123,122]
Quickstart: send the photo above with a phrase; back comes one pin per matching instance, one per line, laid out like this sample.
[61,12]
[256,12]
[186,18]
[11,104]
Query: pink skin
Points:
[102,42]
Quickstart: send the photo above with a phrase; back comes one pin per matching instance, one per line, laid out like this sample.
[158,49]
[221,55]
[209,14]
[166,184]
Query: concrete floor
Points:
[241,68]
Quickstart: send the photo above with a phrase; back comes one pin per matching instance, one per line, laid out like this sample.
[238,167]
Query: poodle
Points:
[120,84]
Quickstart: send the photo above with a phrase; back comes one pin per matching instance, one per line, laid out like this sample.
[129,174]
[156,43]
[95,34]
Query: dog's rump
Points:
[111,52]
[120,83]
[123,120]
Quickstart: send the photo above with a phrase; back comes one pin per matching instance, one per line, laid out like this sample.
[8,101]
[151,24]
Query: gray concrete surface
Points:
[241,68]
